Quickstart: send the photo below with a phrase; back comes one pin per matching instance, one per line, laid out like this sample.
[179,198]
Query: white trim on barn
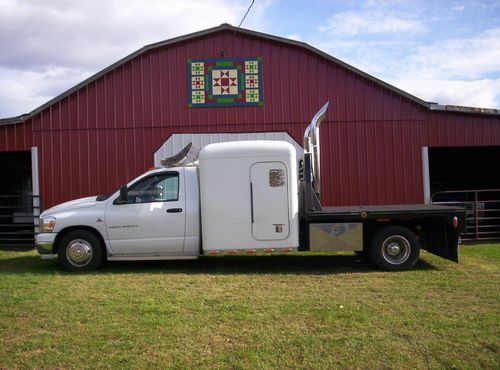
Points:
[177,142]
[35,187]
[426,176]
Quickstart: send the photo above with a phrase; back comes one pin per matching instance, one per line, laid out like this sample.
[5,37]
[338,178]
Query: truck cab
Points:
[156,215]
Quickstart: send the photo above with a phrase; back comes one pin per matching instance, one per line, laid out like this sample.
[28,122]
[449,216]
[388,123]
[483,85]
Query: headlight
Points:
[48,224]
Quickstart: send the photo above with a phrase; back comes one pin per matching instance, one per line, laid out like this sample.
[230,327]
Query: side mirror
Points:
[123,194]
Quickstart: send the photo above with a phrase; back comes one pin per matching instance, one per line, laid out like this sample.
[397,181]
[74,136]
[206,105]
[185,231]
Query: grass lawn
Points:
[284,311]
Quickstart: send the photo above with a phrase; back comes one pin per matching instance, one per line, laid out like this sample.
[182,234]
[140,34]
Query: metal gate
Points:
[19,220]
[482,208]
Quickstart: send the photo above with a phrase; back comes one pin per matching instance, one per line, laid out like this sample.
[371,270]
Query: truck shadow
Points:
[223,265]
[228,265]
[277,264]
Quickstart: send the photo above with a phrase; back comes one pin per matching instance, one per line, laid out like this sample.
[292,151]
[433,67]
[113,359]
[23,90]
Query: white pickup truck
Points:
[240,197]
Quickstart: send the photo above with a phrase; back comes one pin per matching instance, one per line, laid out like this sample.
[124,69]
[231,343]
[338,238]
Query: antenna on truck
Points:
[311,145]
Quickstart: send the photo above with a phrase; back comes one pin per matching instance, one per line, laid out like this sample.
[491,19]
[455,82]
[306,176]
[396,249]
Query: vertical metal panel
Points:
[35,186]
[107,132]
[177,142]
[426,177]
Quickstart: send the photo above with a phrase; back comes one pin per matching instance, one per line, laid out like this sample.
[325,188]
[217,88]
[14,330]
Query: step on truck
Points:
[240,197]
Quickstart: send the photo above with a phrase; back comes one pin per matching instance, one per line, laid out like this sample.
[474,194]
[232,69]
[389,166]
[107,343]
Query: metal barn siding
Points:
[106,130]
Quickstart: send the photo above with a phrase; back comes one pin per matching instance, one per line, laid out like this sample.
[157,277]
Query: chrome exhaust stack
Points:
[311,145]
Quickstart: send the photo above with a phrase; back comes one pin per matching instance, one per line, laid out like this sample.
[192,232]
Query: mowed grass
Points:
[284,311]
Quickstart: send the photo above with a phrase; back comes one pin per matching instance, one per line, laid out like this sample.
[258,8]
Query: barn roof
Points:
[228,27]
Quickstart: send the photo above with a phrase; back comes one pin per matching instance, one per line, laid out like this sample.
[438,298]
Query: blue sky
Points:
[442,51]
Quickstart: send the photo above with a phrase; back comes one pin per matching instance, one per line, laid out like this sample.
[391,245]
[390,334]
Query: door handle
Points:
[174,210]
[251,201]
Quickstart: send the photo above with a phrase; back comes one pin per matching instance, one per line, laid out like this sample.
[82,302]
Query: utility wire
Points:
[223,51]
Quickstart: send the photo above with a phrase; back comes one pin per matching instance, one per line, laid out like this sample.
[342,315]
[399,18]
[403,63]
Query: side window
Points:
[168,188]
[160,188]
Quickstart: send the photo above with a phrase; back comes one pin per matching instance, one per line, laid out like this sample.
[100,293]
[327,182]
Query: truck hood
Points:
[72,204]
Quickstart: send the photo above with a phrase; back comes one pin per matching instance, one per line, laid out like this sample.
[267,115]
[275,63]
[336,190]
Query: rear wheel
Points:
[81,250]
[395,248]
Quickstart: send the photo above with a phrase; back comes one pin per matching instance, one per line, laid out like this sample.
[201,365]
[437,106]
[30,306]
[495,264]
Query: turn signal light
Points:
[48,224]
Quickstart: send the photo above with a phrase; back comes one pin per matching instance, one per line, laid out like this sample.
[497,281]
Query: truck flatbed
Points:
[350,213]
[389,235]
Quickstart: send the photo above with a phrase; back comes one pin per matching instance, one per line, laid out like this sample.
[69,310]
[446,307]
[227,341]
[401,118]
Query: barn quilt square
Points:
[197,82]
[198,97]
[224,82]
[251,81]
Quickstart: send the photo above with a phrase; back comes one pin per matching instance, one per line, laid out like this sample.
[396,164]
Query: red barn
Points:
[380,145]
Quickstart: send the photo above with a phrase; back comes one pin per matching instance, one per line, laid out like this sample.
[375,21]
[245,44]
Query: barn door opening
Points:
[269,187]
[19,203]
[468,177]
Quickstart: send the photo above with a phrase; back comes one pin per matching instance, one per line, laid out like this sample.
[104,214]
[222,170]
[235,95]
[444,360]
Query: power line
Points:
[223,51]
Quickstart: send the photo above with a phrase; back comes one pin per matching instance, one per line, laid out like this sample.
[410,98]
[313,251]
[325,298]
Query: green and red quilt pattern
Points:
[224,82]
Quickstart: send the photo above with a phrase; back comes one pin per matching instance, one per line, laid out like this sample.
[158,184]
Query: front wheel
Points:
[395,248]
[80,250]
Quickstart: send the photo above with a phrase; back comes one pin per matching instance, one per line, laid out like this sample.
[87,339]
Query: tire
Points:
[395,248]
[80,250]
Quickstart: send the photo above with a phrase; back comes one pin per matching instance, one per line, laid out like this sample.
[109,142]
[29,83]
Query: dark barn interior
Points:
[469,177]
[16,202]
[464,168]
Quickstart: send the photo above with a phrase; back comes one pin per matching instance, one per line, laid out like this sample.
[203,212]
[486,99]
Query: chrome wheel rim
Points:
[79,252]
[396,249]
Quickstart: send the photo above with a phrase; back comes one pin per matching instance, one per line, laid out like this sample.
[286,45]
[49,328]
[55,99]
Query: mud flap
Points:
[442,240]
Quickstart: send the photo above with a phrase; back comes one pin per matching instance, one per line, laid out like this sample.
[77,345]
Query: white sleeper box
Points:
[249,196]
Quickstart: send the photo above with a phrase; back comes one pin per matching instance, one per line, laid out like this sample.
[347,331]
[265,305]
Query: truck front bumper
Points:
[45,245]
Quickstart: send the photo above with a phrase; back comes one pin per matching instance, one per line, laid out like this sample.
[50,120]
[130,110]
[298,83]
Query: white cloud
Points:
[467,58]
[294,36]
[93,33]
[24,90]
[76,39]
[454,71]
[379,57]
[458,71]
[480,93]
[459,8]
[352,23]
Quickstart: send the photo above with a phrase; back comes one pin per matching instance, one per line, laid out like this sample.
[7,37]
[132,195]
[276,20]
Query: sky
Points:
[447,52]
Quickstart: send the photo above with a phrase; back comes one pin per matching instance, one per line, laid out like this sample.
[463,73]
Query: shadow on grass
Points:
[268,264]
[16,248]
